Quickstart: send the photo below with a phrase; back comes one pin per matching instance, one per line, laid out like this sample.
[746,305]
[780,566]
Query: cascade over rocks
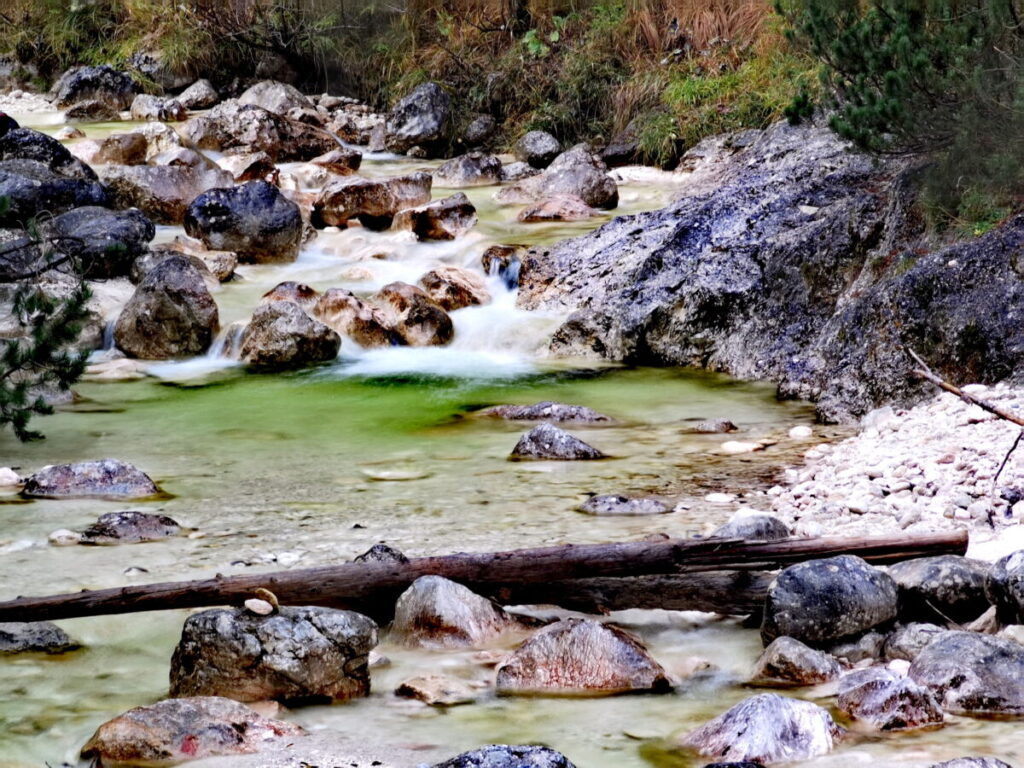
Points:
[973,674]
[104,479]
[547,442]
[95,83]
[803,298]
[765,729]
[453,288]
[32,189]
[537,148]
[414,316]
[176,730]
[106,242]
[162,192]
[577,173]
[888,702]
[421,119]
[171,315]
[435,612]
[788,662]
[444,219]
[275,97]
[297,654]
[350,316]
[474,169]
[823,601]
[281,336]
[254,220]
[580,657]
[504,756]
[941,589]
[34,637]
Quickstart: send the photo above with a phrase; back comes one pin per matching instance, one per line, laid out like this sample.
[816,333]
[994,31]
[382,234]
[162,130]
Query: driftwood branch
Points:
[372,588]
[926,373]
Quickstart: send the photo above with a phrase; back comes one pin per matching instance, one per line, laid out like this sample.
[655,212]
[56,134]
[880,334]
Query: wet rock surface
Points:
[435,612]
[170,315]
[34,637]
[907,641]
[766,729]
[354,318]
[162,192]
[298,654]
[176,730]
[973,674]
[887,701]
[373,201]
[281,336]
[438,691]
[29,144]
[504,756]
[753,527]
[558,208]
[787,662]
[250,128]
[580,657]
[548,442]
[823,601]
[106,478]
[1005,588]
[130,527]
[254,220]
[31,189]
[104,84]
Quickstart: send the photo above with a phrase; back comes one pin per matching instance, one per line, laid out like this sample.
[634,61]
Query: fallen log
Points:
[372,587]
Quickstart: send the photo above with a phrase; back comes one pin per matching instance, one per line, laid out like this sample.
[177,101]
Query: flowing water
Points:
[311,468]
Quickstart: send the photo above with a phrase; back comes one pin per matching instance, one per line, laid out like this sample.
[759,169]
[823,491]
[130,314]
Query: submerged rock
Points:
[788,662]
[753,527]
[548,442]
[170,315]
[437,613]
[580,657]
[611,505]
[254,220]
[888,702]
[765,729]
[973,674]
[381,553]
[34,637]
[546,411]
[130,527]
[421,119]
[453,288]
[444,219]
[712,427]
[537,148]
[438,691]
[350,316]
[504,756]
[557,208]
[823,601]
[298,654]
[941,589]
[106,478]
[414,316]
[281,336]
[972,762]
[176,730]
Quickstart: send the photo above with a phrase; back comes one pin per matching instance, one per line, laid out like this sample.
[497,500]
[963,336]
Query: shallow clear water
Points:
[314,467]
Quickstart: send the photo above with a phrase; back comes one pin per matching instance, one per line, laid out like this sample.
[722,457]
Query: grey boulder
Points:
[105,479]
[34,637]
[789,663]
[505,756]
[548,442]
[888,702]
[435,612]
[280,336]
[421,119]
[946,588]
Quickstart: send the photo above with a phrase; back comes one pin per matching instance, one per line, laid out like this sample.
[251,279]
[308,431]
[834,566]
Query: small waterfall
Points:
[108,336]
[228,344]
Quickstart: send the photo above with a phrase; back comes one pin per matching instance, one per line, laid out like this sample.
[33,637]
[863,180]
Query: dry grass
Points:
[698,25]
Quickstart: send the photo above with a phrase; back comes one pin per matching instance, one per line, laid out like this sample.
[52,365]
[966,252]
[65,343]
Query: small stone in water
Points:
[720,498]
[259,607]
[64,538]
[737,446]
[9,478]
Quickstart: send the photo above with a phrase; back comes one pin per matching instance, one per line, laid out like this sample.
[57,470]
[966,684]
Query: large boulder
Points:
[95,83]
[421,119]
[753,526]
[548,442]
[444,219]
[106,242]
[296,654]
[28,144]
[804,299]
[788,662]
[578,657]
[249,128]
[148,107]
[577,172]
[254,220]
[281,336]
[105,479]
[31,189]
[373,201]
[414,316]
[1005,588]
[537,148]
[474,169]
[171,314]
[823,601]
[275,97]
[200,95]
[162,192]
[505,756]
[352,317]
[973,674]
[453,288]
[176,730]
[765,729]
[435,612]
[34,637]
[887,701]
[941,589]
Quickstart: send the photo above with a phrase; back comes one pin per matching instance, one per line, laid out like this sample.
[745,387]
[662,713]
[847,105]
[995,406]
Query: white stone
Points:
[9,478]
[801,432]
[64,538]
[738,446]
[259,607]
[720,498]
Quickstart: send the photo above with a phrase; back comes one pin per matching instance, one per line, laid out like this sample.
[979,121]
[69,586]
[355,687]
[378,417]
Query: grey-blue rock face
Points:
[29,144]
[34,637]
[504,756]
[106,479]
[105,242]
[973,674]
[537,148]
[548,442]
[130,527]
[823,601]
[31,189]
[907,641]
[941,589]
